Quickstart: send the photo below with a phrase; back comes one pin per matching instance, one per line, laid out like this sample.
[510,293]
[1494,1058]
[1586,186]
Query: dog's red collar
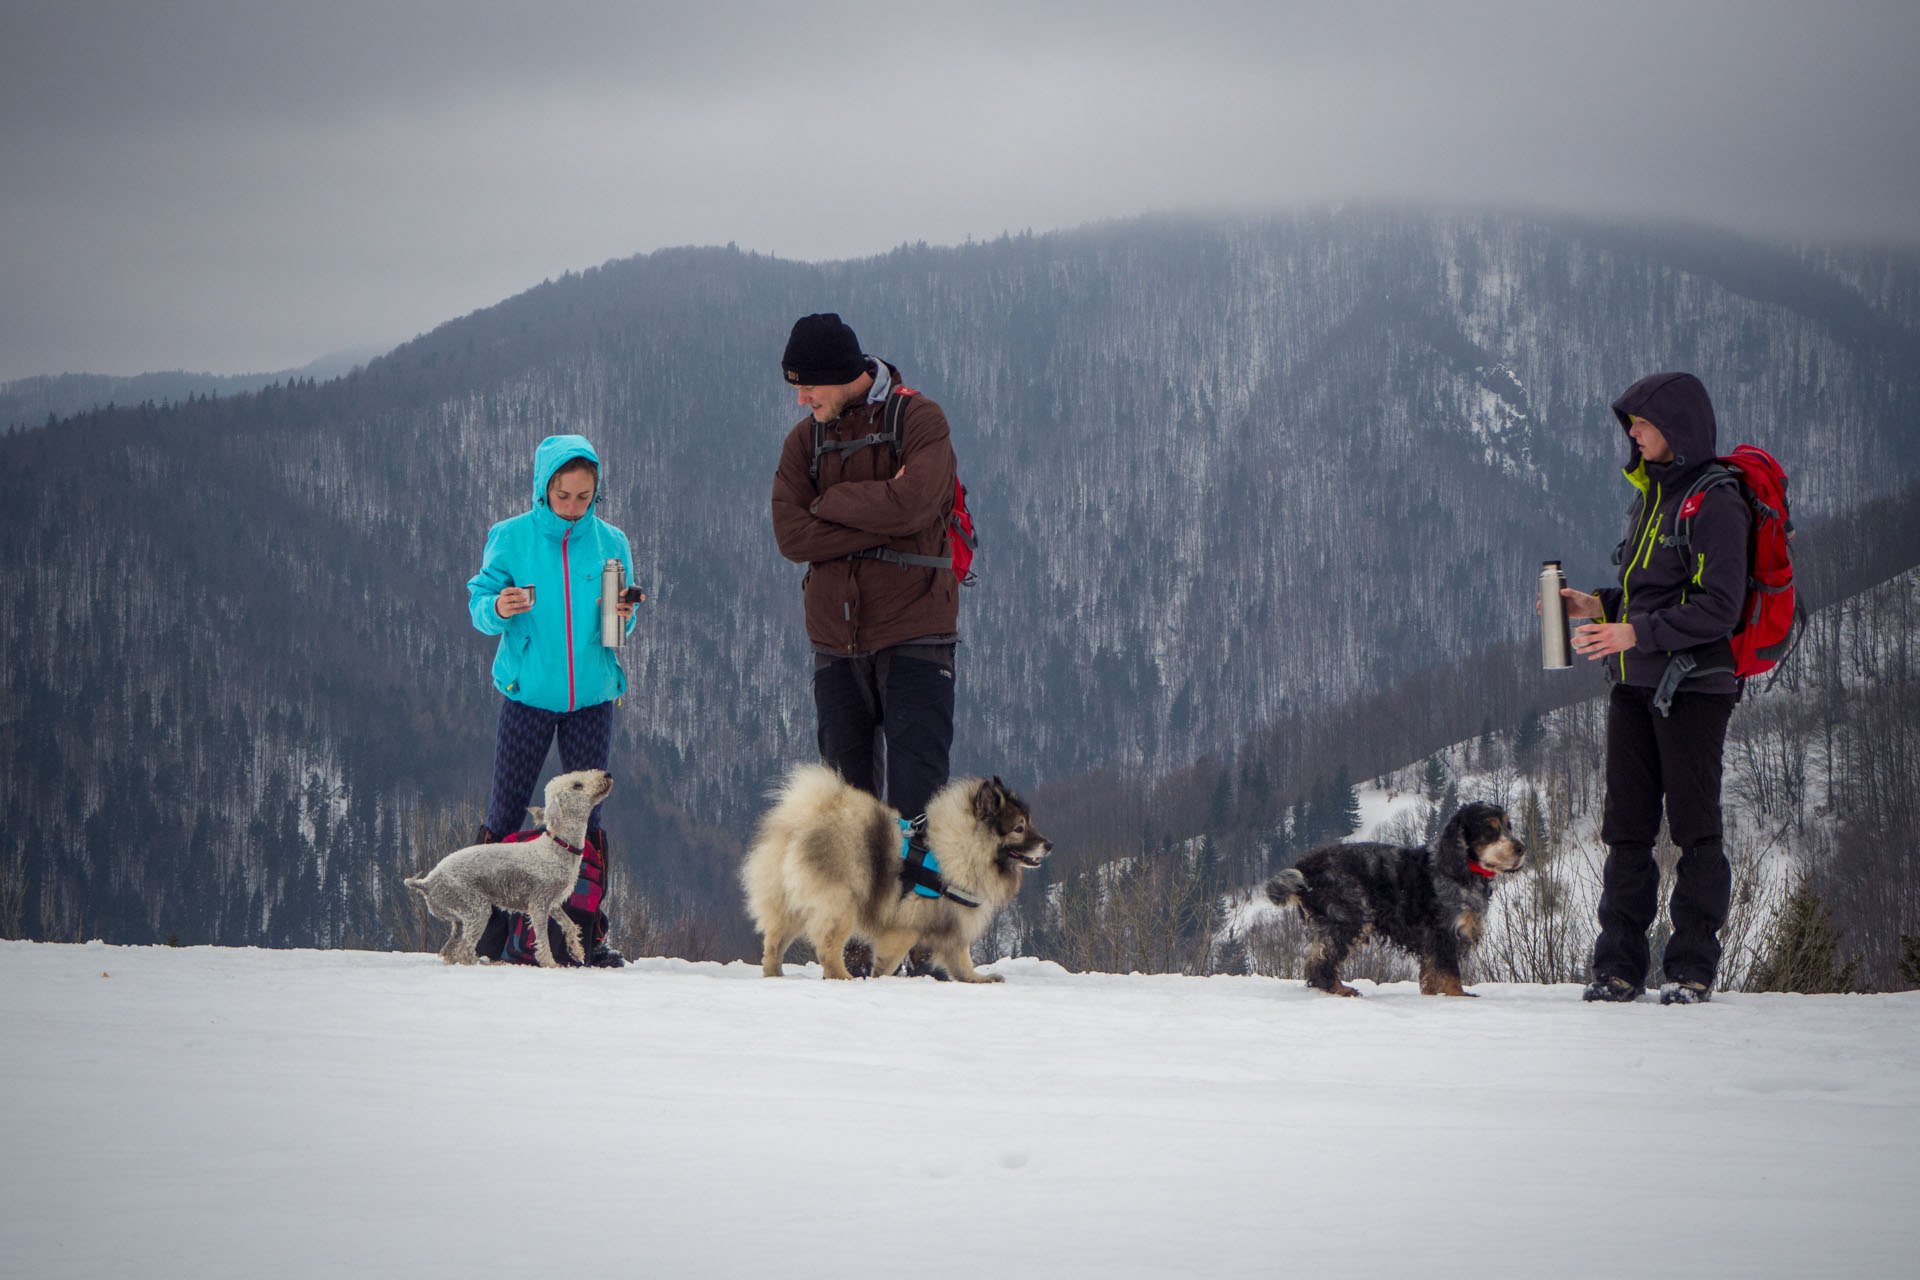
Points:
[573,849]
[1479,870]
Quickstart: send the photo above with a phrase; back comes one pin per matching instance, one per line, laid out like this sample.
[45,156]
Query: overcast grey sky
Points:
[245,185]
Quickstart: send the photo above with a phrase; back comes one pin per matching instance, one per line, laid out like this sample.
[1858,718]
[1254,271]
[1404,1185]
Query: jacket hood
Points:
[552,454]
[1676,403]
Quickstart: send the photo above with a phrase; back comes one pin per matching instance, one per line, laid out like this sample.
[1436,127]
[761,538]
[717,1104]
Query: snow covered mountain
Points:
[1227,473]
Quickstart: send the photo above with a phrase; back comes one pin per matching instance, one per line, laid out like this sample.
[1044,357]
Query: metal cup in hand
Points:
[1556,629]
[613,584]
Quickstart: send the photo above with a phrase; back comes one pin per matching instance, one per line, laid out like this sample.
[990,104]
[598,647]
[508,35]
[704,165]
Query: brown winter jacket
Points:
[862,605]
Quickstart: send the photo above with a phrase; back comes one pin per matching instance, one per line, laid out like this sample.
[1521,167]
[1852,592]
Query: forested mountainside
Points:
[1229,475]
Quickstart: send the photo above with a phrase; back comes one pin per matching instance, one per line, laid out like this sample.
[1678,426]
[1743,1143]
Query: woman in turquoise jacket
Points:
[555,677]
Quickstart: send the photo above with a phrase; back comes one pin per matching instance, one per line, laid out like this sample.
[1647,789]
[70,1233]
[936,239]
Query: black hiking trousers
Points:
[1675,759]
[886,720]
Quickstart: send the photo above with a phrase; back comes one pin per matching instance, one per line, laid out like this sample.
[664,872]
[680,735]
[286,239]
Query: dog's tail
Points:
[809,787]
[416,882]
[1285,889]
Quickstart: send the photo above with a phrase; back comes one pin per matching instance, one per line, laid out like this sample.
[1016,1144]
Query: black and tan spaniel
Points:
[1431,901]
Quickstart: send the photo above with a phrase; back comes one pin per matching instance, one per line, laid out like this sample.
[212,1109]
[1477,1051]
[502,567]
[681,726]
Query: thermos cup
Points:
[1556,631]
[613,585]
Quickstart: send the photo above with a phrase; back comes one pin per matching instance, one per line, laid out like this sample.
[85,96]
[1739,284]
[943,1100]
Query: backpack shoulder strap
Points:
[895,422]
[892,427]
[895,417]
[1714,476]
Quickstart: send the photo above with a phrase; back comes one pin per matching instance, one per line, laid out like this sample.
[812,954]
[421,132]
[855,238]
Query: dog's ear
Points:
[538,813]
[1480,817]
[989,798]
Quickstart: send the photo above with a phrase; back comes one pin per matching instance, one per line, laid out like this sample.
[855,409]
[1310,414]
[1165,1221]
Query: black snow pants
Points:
[1675,758]
[886,721]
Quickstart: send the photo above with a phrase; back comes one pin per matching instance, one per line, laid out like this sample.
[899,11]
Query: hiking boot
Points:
[605,957]
[1612,990]
[599,954]
[919,964]
[1685,993]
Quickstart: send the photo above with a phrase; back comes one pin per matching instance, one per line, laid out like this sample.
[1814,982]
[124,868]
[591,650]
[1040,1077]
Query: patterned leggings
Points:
[520,749]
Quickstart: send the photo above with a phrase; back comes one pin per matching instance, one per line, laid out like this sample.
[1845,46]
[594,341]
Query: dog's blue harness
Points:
[920,870]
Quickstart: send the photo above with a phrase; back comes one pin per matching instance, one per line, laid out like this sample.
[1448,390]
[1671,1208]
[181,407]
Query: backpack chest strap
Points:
[902,557]
[893,418]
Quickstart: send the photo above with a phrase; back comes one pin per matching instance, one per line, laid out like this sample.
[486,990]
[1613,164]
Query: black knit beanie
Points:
[822,352]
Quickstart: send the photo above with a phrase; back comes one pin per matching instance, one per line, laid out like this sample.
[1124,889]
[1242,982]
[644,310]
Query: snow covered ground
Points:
[213,1112]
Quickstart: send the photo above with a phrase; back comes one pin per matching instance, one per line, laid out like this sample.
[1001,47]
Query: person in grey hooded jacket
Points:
[1663,634]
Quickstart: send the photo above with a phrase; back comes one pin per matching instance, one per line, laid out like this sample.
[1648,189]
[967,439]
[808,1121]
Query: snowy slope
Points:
[210,1112]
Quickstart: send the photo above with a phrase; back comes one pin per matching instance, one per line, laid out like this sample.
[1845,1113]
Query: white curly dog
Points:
[533,877]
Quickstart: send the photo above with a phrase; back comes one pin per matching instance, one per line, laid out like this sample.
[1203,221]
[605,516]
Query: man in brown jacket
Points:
[881,598]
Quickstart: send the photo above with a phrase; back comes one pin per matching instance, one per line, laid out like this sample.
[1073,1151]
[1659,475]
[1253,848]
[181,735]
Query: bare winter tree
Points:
[1140,915]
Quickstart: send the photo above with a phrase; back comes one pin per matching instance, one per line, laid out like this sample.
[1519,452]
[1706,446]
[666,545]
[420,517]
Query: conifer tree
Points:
[1346,799]
[1526,741]
[1533,826]
[1806,950]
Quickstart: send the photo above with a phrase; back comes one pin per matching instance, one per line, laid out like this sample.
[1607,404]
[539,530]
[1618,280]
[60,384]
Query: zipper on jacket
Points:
[853,631]
[566,576]
[839,432]
[1644,552]
[1641,557]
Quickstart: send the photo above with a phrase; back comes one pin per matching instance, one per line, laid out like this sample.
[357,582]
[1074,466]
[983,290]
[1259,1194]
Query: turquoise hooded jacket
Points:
[551,656]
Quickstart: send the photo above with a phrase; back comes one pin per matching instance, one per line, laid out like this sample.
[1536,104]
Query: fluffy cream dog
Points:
[826,862]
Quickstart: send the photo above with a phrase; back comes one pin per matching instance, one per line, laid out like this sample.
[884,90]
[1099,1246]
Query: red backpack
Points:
[960,536]
[1772,617]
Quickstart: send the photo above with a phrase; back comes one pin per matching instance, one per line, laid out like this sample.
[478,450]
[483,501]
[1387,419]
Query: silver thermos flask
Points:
[613,584]
[1556,631]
